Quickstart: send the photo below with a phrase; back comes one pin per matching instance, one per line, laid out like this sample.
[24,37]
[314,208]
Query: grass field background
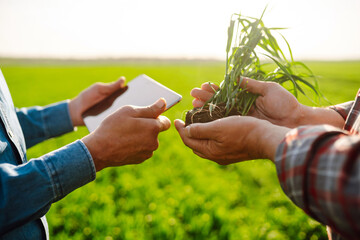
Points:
[175,194]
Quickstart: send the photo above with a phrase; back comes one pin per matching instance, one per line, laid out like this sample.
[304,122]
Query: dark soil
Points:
[202,115]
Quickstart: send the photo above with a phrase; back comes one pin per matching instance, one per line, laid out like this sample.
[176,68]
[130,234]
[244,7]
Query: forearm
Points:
[317,116]
[28,190]
[318,169]
[41,123]
[267,138]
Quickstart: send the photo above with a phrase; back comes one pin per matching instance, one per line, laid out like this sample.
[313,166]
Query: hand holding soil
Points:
[128,136]
[249,38]
[232,139]
[274,103]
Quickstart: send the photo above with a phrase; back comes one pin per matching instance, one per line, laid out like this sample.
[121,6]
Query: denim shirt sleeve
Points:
[41,123]
[28,190]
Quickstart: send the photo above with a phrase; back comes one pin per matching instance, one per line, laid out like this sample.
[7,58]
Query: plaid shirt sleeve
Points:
[319,170]
[343,109]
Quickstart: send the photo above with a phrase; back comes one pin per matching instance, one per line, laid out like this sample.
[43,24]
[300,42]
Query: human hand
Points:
[128,136]
[91,96]
[276,105]
[203,94]
[232,139]
[274,102]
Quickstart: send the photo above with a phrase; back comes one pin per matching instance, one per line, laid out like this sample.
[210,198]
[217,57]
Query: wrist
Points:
[315,115]
[93,147]
[305,113]
[269,136]
[75,116]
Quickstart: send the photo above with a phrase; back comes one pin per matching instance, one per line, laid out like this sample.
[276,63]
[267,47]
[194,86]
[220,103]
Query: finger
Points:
[179,125]
[204,131]
[121,81]
[164,123]
[253,86]
[201,94]
[156,126]
[109,88]
[195,144]
[152,111]
[197,103]
[210,87]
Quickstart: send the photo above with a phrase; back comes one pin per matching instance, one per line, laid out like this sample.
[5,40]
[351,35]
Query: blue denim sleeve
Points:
[41,123]
[28,190]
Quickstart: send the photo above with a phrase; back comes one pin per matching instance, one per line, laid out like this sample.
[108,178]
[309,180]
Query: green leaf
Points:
[230,35]
[250,36]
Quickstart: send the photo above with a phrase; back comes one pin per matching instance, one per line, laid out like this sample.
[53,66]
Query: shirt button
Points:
[11,134]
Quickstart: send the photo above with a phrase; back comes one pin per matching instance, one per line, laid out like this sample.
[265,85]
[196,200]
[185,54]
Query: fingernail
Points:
[160,103]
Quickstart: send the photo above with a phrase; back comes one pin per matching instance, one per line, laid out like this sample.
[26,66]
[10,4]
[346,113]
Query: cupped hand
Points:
[91,96]
[128,136]
[232,139]
[274,103]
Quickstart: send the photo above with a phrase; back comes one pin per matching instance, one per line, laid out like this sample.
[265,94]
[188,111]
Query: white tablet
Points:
[141,91]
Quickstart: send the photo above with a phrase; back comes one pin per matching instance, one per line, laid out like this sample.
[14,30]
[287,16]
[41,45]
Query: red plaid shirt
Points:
[319,170]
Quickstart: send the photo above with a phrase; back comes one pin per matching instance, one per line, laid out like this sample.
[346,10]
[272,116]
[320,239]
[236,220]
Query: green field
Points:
[175,194]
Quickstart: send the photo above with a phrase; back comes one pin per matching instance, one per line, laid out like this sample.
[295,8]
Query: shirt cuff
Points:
[70,167]
[343,109]
[56,118]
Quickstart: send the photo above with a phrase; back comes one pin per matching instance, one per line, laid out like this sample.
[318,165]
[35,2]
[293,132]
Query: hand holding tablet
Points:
[141,91]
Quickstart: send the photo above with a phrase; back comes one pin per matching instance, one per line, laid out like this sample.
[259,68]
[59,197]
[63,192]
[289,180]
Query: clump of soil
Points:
[202,115]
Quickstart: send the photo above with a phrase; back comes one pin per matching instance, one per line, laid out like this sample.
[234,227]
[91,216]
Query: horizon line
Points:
[6,60]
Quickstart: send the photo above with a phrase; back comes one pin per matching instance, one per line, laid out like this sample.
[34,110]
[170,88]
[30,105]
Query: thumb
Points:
[253,86]
[201,130]
[152,111]
[110,88]
[197,145]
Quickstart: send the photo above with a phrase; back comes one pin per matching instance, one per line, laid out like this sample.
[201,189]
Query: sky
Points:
[316,29]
